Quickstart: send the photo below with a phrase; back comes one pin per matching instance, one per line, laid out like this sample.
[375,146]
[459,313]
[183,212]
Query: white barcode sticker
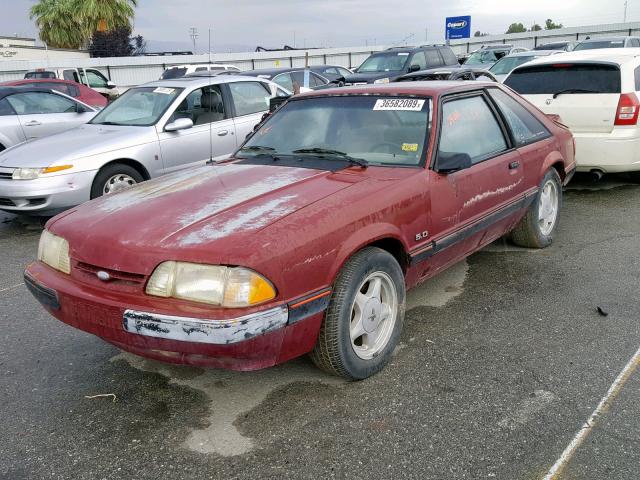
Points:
[407,104]
[164,90]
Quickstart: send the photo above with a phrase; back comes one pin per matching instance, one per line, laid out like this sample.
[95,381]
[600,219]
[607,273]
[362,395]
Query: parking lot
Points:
[502,359]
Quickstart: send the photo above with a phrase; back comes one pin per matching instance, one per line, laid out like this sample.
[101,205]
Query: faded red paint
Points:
[299,244]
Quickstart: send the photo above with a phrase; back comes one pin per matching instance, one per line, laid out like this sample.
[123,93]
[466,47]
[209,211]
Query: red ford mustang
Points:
[306,239]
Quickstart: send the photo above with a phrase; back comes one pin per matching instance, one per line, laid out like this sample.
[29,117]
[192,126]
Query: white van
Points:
[595,93]
[178,71]
[90,77]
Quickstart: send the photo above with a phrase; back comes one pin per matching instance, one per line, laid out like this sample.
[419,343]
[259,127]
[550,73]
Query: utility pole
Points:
[625,10]
[193,33]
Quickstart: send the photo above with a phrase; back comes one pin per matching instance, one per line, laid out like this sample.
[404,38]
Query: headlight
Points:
[54,251]
[381,80]
[216,285]
[33,173]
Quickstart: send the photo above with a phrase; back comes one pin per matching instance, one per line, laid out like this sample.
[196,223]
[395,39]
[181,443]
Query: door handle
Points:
[222,133]
[32,123]
[514,165]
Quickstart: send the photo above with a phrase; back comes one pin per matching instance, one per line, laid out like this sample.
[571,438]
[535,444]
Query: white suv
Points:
[179,71]
[595,93]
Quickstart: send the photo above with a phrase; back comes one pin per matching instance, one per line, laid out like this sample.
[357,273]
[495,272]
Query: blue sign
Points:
[458,27]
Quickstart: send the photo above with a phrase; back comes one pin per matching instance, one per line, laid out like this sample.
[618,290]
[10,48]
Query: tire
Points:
[335,352]
[127,174]
[532,231]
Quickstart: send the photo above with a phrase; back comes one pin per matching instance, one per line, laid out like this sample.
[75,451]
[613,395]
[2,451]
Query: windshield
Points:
[506,64]
[173,72]
[383,131]
[141,106]
[565,77]
[600,44]
[482,57]
[384,62]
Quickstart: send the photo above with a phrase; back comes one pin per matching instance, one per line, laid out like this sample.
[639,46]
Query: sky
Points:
[244,24]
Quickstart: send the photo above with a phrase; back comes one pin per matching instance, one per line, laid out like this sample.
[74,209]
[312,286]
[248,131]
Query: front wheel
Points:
[363,321]
[114,178]
[538,226]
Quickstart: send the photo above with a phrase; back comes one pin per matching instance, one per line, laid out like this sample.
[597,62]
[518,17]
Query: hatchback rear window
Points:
[565,77]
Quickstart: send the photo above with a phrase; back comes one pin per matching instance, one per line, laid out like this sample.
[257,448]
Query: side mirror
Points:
[81,108]
[110,84]
[452,162]
[179,124]
[414,68]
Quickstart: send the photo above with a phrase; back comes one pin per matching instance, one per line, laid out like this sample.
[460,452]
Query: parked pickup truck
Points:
[90,77]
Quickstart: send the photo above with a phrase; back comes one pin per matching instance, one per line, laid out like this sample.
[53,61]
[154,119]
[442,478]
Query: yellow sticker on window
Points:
[409,147]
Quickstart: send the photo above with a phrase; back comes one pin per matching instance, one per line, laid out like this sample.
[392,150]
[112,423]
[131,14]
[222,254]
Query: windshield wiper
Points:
[108,123]
[333,153]
[573,90]
[257,148]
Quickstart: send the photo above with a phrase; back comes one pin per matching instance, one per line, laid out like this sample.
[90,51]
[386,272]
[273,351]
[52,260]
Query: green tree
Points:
[480,34]
[72,23]
[535,27]
[516,28]
[549,25]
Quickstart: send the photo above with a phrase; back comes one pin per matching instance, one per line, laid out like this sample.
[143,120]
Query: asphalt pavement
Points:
[502,360]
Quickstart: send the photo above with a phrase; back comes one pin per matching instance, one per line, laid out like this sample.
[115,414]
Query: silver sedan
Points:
[34,112]
[154,129]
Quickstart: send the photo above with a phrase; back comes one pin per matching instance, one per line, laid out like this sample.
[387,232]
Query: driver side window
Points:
[32,103]
[470,127]
[202,106]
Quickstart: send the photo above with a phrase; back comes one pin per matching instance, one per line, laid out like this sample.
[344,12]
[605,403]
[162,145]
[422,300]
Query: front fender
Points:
[359,239]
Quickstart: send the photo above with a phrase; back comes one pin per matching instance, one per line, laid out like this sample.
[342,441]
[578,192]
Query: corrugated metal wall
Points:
[129,71]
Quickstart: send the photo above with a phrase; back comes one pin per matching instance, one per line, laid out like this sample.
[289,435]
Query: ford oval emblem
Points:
[104,276]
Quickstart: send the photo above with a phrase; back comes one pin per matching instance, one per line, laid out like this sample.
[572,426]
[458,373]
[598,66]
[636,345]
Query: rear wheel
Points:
[114,178]
[363,322]
[537,228]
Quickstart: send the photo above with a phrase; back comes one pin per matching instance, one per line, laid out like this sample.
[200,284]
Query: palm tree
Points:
[57,23]
[72,23]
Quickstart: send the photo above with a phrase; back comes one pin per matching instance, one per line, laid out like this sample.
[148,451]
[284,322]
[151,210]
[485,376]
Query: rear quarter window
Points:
[550,79]
[637,76]
[524,126]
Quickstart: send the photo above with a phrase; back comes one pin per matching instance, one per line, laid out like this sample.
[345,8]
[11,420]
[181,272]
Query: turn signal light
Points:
[57,168]
[628,109]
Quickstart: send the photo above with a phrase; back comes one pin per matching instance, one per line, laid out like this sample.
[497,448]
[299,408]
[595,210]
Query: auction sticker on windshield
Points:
[164,90]
[406,104]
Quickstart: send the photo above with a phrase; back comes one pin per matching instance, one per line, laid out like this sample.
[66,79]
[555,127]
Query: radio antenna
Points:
[210,105]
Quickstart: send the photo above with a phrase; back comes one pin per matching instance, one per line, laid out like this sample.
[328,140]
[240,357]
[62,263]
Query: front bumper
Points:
[133,323]
[217,332]
[45,195]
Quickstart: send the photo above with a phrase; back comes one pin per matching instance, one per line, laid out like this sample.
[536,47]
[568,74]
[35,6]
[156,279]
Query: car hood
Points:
[83,141]
[193,215]
[370,77]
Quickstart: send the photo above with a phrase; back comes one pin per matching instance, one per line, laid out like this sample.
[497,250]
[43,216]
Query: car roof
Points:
[607,39]
[40,80]
[604,55]
[419,88]
[533,53]
[188,65]
[8,90]
[271,71]
[185,82]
